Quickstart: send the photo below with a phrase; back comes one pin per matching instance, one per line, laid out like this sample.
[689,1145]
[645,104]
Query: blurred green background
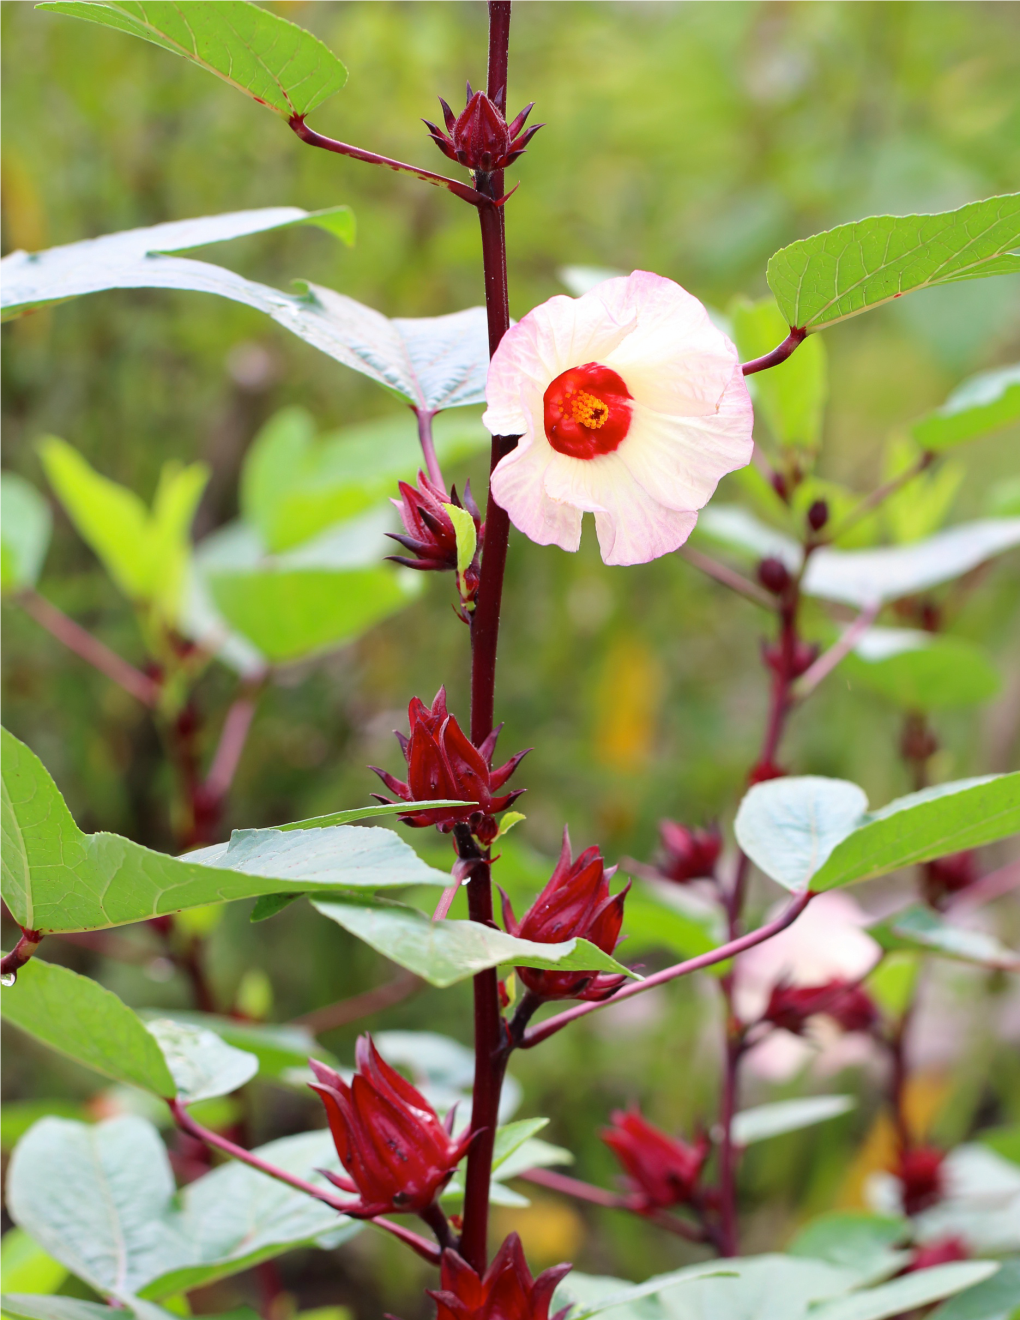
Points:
[688,139]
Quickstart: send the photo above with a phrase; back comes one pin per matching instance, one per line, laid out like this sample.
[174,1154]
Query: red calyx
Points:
[774,575]
[942,1252]
[662,1170]
[443,763]
[479,138]
[575,903]
[848,1005]
[587,411]
[919,1170]
[429,533]
[948,875]
[818,515]
[390,1140]
[688,854]
[506,1291]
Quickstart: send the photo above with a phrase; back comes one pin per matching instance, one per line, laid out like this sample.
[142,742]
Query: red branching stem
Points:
[779,354]
[186,1123]
[20,954]
[344,1011]
[490,1051]
[428,447]
[309,135]
[90,648]
[233,737]
[839,650]
[535,1035]
[560,1182]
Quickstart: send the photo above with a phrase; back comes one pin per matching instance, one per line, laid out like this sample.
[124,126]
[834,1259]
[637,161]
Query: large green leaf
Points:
[810,832]
[202,1064]
[432,362]
[273,61]
[919,927]
[920,670]
[844,271]
[983,403]
[907,1293]
[146,553]
[55,878]
[276,1045]
[30,1306]
[997,1298]
[662,915]
[88,1023]
[444,952]
[25,527]
[101,1199]
[866,1243]
[295,484]
[791,396]
[783,1116]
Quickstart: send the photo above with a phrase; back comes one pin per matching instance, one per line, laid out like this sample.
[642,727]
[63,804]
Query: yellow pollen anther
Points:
[589,410]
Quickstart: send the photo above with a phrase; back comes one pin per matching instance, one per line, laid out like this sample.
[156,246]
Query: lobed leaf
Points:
[273,61]
[25,528]
[831,276]
[55,878]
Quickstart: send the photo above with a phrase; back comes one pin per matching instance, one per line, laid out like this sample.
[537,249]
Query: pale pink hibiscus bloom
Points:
[630,404]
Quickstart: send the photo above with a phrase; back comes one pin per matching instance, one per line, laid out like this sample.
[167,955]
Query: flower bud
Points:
[397,1153]
[773,575]
[429,533]
[919,1170]
[848,1005]
[506,1291]
[688,854]
[661,1170]
[480,138]
[443,763]
[818,515]
[575,903]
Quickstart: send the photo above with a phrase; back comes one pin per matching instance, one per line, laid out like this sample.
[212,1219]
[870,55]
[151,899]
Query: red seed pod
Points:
[661,1170]
[773,575]
[818,515]
[848,1005]
[443,763]
[688,854]
[397,1153]
[479,138]
[919,1171]
[506,1291]
[575,903]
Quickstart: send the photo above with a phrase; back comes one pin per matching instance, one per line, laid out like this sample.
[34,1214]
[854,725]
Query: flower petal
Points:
[518,485]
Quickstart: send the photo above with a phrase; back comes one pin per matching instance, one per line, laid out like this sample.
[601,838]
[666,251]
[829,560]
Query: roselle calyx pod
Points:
[662,1171]
[848,1005]
[506,1291]
[576,903]
[397,1153]
[688,854]
[919,1170]
[429,533]
[443,763]
[479,138]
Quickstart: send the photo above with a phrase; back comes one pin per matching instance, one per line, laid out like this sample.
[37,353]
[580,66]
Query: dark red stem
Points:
[20,954]
[187,1124]
[535,1035]
[778,354]
[90,648]
[560,1182]
[314,139]
[728,1225]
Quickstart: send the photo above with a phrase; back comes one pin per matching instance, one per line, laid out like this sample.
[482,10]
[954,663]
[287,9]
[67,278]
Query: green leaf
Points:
[984,403]
[273,61]
[55,878]
[294,484]
[868,577]
[997,1298]
[28,1306]
[268,905]
[511,1136]
[432,362]
[791,396]
[919,927]
[921,506]
[892,983]
[773,1120]
[813,832]
[445,952]
[145,554]
[26,1268]
[276,1046]
[844,271]
[17,1116]
[922,671]
[79,1018]
[25,527]
[856,1240]
[515,1151]
[907,1293]
[661,915]
[102,1200]
[202,1064]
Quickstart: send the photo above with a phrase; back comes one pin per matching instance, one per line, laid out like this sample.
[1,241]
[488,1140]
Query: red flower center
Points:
[587,411]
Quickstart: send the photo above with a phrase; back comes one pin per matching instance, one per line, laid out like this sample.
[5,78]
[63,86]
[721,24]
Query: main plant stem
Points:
[490,1055]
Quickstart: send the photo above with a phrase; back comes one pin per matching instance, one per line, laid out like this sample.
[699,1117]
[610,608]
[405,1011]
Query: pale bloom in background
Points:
[630,404]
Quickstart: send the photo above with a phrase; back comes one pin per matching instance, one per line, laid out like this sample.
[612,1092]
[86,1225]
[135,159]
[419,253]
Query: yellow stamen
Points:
[588,409]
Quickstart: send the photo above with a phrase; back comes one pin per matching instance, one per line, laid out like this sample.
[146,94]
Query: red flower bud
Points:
[790,1006]
[443,763]
[801,657]
[943,1252]
[430,535]
[389,1138]
[774,575]
[480,138]
[688,854]
[948,875]
[818,515]
[575,903]
[506,1291]
[919,1170]
[662,1170]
